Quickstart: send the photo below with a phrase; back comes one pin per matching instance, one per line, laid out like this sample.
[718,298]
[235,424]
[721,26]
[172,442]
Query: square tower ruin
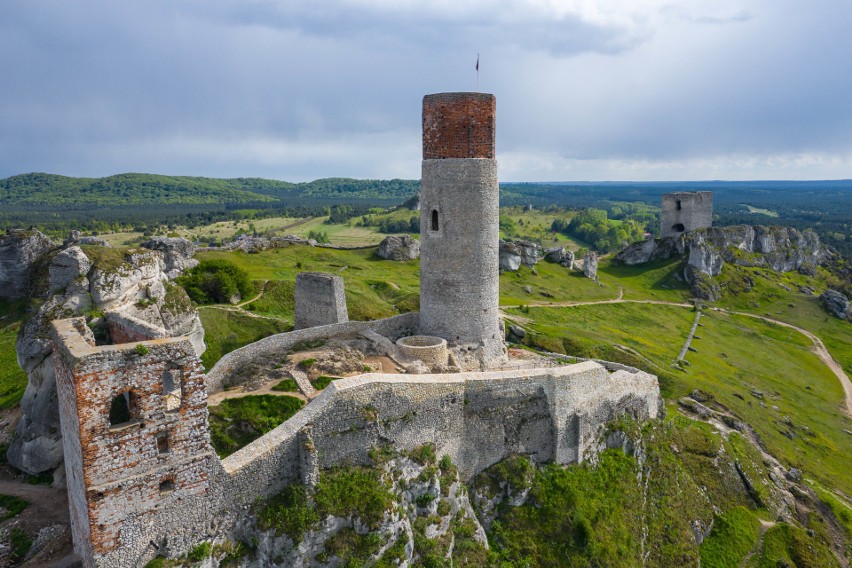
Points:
[134,433]
[319,300]
[685,211]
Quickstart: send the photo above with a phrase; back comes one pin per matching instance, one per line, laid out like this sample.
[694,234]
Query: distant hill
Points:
[38,190]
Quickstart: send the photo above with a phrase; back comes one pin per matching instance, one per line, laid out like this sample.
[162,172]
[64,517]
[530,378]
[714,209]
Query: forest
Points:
[56,203]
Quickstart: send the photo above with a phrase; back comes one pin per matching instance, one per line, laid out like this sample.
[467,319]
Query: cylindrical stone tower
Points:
[459,224]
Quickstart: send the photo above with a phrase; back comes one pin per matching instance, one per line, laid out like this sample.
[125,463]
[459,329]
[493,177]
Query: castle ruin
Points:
[685,211]
[143,479]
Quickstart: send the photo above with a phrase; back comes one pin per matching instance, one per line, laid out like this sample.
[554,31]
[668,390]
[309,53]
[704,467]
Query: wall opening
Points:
[163,442]
[678,205]
[123,409]
[434,219]
[173,389]
[678,227]
[167,485]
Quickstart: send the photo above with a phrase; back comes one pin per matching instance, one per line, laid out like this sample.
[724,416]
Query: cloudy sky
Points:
[298,90]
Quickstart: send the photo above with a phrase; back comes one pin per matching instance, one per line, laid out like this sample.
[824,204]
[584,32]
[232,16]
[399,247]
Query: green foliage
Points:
[353,491]
[226,330]
[216,282]
[20,542]
[794,546]
[199,552]
[424,454]
[141,349]
[236,422]
[353,549]
[11,506]
[13,380]
[734,534]
[288,513]
[318,236]
[286,385]
[323,381]
[307,363]
[603,234]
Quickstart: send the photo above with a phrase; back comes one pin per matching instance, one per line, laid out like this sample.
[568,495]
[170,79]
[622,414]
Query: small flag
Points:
[477,62]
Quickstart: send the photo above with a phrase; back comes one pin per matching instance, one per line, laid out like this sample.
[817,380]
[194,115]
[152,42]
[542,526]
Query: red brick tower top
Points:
[458,125]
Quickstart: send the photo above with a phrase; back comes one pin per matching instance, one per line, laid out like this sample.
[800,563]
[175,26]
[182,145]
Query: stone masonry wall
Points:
[478,419]
[319,300]
[695,212]
[275,345]
[158,457]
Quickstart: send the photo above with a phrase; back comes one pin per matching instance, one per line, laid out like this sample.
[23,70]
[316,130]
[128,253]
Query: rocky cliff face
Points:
[19,252]
[121,292]
[177,254]
[781,249]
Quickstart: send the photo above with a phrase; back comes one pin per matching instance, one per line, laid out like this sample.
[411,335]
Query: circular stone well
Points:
[427,348]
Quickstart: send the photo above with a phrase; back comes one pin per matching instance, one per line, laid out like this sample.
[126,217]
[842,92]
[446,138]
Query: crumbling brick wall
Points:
[156,455]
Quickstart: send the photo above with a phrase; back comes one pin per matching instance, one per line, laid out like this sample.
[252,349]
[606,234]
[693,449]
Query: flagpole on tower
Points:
[477,72]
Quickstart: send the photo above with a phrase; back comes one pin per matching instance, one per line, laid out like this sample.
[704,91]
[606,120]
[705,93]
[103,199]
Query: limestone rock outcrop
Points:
[590,265]
[782,249]
[131,289]
[836,304]
[561,256]
[399,247]
[513,254]
[650,250]
[177,254]
[20,249]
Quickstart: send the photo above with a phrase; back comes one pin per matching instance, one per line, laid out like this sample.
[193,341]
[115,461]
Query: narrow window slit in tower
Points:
[434,219]
[677,203]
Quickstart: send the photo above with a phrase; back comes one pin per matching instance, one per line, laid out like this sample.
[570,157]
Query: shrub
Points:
[216,282]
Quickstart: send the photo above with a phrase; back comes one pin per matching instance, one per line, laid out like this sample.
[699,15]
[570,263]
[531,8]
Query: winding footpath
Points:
[818,349]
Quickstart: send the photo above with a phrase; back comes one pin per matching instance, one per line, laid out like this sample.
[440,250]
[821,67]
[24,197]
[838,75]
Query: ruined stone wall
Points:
[124,328]
[478,419]
[459,213]
[158,457]
[319,300]
[276,345]
[685,211]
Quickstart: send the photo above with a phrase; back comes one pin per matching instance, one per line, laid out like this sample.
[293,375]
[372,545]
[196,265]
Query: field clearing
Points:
[13,380]
[766,374]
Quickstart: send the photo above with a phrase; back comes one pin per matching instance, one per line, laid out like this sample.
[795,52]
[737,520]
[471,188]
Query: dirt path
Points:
[266,388]
[818,349]
[259,296]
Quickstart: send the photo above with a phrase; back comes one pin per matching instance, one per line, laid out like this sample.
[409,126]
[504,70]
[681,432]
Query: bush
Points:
[216,282]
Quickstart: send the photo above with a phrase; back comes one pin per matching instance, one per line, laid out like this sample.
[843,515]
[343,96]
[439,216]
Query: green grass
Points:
[735,354]
[12,506]
[353,491]
[734,534]
[323,381]
[286,385]
[277,300]
[13,380]
[226,330]
[375,288]
[793,545]
[236,422]
[651,281]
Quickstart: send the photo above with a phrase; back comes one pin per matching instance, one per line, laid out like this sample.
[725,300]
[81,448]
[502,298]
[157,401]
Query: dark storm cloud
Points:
[299,90]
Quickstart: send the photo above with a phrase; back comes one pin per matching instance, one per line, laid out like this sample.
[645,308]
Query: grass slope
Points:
[13,380]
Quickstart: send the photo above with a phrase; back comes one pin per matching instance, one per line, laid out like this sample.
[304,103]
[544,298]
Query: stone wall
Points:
[459,213]
[478,419]
[319,300]
[277,345]
[685,211]
[156,456]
